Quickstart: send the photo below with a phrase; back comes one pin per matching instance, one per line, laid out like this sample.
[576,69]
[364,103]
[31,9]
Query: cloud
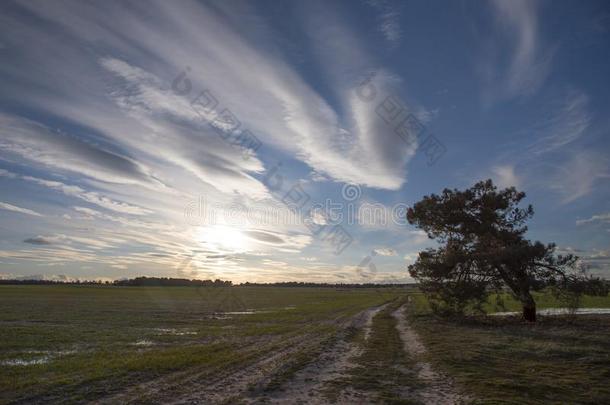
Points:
[14,208]
[40,144]
[388,17]
[338,136]
[596,261]
[569,123]
[46,277]
[529,59]
[418,237]
[557,136]
[66,240]
[602,218]
[504,176]
[410,258]
[40,240]
[99,122]
[579,175]
[90,196]
[318,217]
[266,237]
[78,192]
[385,251]
[188,142]
[7,174]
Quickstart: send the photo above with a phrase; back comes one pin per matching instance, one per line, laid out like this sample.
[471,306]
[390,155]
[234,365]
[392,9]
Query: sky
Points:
[271,141]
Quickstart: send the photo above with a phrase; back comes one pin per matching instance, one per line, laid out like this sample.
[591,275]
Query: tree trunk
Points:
[529,307]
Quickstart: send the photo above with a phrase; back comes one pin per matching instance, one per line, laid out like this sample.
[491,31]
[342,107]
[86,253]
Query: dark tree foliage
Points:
[481,232]
[171,282]
[571,289]
[302,284]
[181,282]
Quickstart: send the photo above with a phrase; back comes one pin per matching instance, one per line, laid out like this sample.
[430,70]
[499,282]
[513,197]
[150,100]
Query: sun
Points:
[223,238]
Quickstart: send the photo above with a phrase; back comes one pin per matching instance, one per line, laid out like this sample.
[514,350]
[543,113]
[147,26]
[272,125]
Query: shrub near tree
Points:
[483,249]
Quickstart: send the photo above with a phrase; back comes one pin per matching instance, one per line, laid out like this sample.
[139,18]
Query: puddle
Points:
[23,362]
[174,332]
[44,356]
[246,312]
[239,313]
[230,314]
[143,342]
[560,311]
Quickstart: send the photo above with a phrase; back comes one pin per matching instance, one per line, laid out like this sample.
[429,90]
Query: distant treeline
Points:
[183,282]
[330,285]
[132,282]
[171,282]
[52,282]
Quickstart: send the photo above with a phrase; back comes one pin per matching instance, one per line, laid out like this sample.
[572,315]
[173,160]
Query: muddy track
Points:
[245,383]
[335,362]
[437,388]
[171,388]
[235,384]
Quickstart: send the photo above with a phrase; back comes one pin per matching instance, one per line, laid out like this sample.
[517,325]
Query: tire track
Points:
[307,386]
[437,388]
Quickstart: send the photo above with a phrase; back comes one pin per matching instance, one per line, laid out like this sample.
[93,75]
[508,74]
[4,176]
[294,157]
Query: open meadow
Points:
[108,344]
[82,343]
[558,360]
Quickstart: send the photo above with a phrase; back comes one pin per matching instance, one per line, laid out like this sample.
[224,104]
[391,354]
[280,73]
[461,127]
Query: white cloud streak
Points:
[530,58]
[601,218]
[14,208]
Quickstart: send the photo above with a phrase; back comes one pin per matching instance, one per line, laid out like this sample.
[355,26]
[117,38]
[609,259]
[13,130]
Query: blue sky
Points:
[261,140]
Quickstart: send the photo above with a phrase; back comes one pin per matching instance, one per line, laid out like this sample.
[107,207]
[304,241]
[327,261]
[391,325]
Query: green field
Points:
[110,344]
[559,360]
[70,343]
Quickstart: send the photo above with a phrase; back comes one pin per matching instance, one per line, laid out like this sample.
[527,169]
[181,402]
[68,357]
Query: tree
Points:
[483,249]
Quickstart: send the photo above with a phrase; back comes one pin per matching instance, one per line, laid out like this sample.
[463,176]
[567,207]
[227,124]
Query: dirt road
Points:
[304,369]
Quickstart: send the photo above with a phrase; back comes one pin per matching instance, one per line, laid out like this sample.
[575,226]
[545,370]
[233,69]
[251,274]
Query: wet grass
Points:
[506,302]
[98,340]
[558,360]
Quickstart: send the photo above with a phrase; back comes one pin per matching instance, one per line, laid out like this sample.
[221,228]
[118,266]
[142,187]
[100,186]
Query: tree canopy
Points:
[482,249]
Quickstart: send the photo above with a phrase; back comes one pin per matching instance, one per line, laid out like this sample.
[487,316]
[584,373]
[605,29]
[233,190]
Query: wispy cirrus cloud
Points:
[517,60]
[39,144]
[59,239]
[598,218]
[288,113]
[118,159]
[21,210]
[567,123]
[389,19]
[559,133]
[92,197]
[579,175]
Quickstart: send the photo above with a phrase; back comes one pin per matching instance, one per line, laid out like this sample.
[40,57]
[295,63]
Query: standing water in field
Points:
[561,311]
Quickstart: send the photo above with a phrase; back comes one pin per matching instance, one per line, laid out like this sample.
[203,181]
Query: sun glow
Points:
[224,238]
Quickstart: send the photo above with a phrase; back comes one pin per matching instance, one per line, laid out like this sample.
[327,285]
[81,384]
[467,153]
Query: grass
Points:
[103,339]
[383,370]
[544,300]
[100,340]
[506,361]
